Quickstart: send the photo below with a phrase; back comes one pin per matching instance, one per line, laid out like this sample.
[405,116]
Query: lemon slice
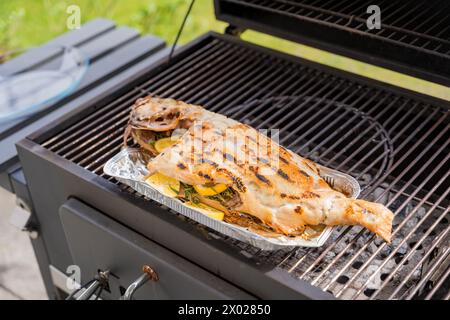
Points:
[207,210]
[164,143]
[167,185]
[210,190]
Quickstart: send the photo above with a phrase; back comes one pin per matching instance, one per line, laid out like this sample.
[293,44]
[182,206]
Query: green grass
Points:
[25,23]
[28,23]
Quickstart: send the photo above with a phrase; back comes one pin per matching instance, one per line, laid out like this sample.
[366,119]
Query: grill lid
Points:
[414,36]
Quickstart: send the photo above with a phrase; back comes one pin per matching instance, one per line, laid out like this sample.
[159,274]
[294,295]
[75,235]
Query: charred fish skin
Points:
[151,115]
[275,185]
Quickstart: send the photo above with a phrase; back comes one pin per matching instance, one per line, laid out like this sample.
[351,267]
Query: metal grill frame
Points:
[340,33]
[262,280]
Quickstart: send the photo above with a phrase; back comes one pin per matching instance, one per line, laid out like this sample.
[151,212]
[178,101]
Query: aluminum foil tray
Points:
[129,167]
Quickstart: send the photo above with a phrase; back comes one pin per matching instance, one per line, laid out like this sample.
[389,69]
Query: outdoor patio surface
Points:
[19,272]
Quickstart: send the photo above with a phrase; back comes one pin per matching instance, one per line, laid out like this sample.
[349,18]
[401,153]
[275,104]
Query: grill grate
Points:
[416,24]
[397,147]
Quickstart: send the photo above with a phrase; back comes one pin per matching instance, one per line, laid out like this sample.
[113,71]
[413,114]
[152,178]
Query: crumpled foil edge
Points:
[129,167]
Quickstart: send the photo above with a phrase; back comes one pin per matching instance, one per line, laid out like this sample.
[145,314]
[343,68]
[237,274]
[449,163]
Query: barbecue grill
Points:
[395,142]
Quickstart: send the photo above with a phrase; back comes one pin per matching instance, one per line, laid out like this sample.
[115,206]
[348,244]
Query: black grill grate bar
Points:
[388,7]
[354,240]
[275,5]
[223,66]
[184,71]
[316,119]
[301,107]
[183,66]
[103,152]
[443,23]
[249,73]
[440,239]
[340,16]
[100,161]
[404,142]
[117,134]
[100,150]
[357,23]
[223,57]
[411,253]
[358,9]
[343,6]
[409,151]
[439,45]
[284,86]
[338,90]
[403,223]
[423,13]
[378,145]
[404,259]
[280,81]
[299,93]
[95,118]
[411,16]
[288,8]
[348,129]
[416,198]
[438,284]
[321,134]
[96,125]
[246,92]
[391,13]
[416,146]
[371,126]
[395,230]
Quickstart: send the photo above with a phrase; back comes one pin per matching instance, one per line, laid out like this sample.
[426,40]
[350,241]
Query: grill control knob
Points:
[149,274]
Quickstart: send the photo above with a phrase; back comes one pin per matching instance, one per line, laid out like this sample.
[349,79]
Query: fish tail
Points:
[374,216]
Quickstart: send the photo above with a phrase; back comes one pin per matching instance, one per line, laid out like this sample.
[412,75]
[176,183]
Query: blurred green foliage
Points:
[27,23]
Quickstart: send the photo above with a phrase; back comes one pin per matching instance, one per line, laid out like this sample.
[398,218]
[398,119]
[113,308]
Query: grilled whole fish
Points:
[280,188]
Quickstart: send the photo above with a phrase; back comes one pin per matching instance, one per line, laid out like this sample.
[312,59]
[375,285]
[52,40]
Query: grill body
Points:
[393,141]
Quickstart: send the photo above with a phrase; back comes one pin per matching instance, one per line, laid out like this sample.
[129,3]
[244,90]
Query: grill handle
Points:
[92,289]
[149,274]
